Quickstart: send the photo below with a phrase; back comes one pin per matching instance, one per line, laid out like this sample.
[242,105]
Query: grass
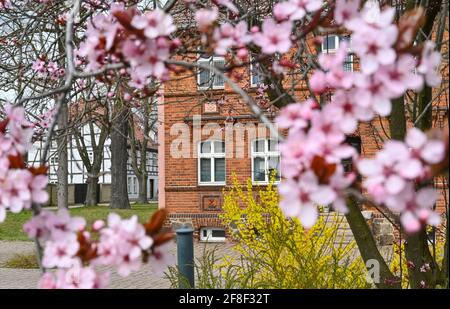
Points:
[11,228]
[22,261]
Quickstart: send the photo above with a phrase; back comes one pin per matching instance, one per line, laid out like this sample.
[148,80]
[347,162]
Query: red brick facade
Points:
[181,194]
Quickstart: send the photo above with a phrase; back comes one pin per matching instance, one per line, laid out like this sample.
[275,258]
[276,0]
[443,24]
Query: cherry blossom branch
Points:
[388,214]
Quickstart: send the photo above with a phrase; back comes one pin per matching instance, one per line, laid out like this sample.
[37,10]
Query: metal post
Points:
[185,254]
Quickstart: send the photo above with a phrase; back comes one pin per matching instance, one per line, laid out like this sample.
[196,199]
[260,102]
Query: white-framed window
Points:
[265,160]
[135,185]
[212,234]
[332,42]
[211,163]
[255,75]
[129,184]
[207,79]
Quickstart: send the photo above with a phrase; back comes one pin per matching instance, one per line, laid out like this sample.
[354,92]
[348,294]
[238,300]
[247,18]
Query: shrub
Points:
[272,251]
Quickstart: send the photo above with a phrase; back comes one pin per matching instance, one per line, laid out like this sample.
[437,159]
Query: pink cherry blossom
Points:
[47,281]
[154,23]
[14,190]
[162,258]
[205,18]
[349,111]
[345,11]
[75,277]
[335,76]
[429,64]
[325,123]
[296,9]
[283,10]
[381,172]
[301,198]
[274,37]
[373,93]
[18,139]
[38,187]
[4,4]
[297,151]
[121,244]
[317,82]
[399,76]
[39,67]
[431,151]
[415,207]
[100,28]
[296,116]
[228,36]
[373,37]
[60,253]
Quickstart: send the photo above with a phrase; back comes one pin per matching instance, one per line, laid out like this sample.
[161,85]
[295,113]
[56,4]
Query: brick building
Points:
[190,185]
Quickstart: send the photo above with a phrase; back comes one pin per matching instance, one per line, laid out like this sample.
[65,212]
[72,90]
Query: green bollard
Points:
[185,254]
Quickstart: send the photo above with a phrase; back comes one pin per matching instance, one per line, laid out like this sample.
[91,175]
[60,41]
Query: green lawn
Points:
[11,228]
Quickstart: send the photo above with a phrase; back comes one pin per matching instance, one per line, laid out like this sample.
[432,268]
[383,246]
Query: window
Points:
[354,141]
[207,79]
[332,42]
[212,234]
[211,162]
[129,185]
[134,185]
[265,160]
[255,75]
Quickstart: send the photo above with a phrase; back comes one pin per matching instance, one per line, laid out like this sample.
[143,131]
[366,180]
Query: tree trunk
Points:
[62,186]
[367,246]
[119,157]
[417,251]
[142,199]
[92,191]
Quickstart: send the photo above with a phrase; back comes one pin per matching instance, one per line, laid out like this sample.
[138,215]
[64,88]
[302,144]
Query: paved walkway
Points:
[11,278]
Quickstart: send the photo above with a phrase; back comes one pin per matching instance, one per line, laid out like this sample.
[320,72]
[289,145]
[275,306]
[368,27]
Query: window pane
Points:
[218,233]
[218,80]
[255,75]
[219,147]
[273,145]
[205,147]
[258,145]
[274,165]
[204,78]
[329,43]
[205,170]
[219,169]
[259,173]
[348,63]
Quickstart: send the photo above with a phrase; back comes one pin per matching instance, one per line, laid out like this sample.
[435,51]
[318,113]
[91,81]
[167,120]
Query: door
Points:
[152,185]
[80,193]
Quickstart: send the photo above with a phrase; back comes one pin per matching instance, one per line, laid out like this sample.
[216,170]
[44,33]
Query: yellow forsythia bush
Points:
[272,251]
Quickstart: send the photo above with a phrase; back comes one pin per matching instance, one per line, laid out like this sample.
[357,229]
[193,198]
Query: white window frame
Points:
[266,154]
[210,61]
[212,155]
[337,42]
[209,237]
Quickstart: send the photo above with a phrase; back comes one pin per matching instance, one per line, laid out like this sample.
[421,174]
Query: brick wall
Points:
[183,195]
